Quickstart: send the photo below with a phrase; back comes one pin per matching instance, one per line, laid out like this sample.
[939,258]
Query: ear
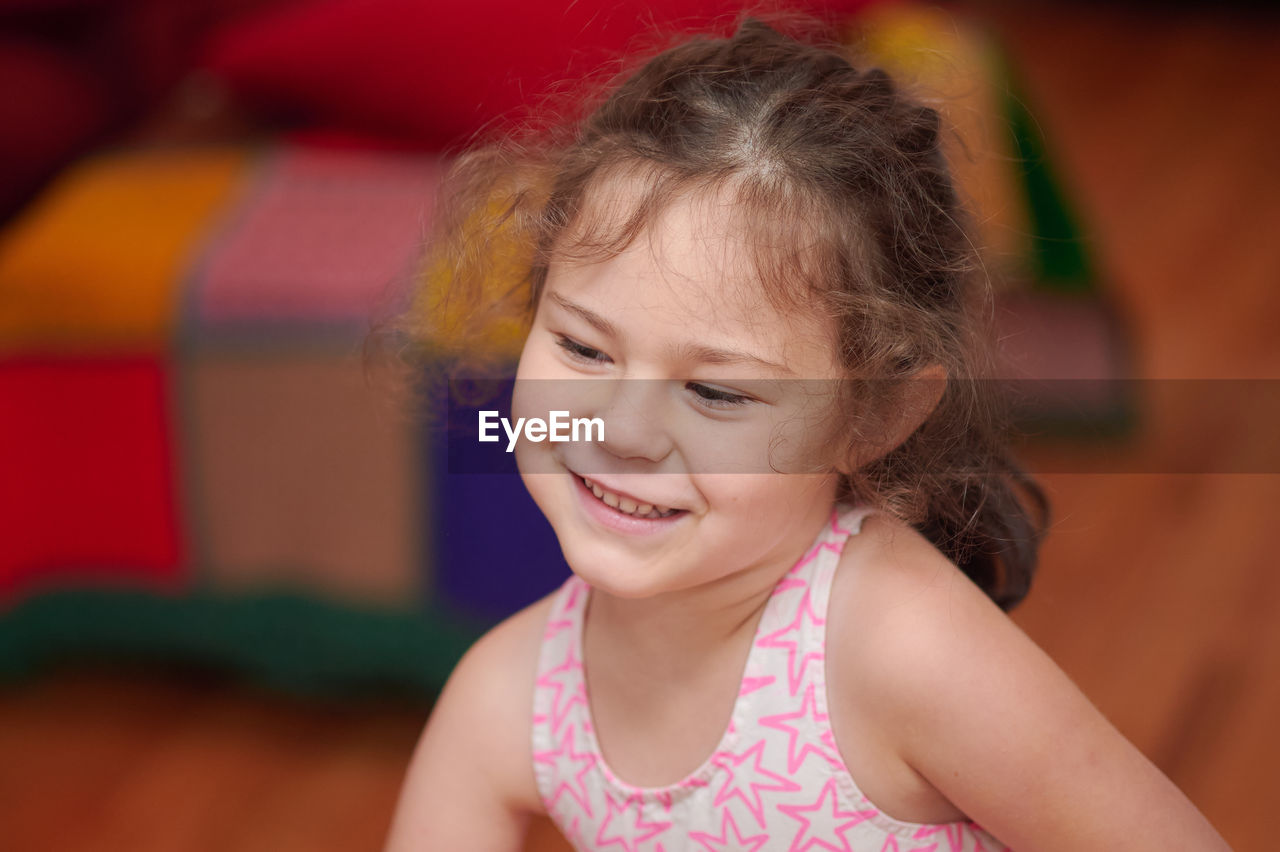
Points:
[912,400]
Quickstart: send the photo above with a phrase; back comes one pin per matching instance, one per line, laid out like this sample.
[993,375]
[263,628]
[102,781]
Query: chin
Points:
[613,574]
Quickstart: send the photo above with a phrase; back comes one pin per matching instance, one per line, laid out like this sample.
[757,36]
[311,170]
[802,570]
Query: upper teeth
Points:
[626,504]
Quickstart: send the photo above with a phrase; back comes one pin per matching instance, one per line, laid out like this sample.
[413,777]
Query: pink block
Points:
[326,235]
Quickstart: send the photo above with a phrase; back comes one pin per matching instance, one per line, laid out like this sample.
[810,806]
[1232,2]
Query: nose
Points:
[634,415]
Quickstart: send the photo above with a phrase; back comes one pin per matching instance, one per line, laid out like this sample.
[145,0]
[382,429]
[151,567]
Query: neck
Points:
[681,632]
[677,629]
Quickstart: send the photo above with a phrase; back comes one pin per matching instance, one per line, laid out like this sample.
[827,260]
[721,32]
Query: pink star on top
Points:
[808,710]
[585,760]
[628,837]
[891,845]
[952,831]
[554,627]
[734,787]
[832,546]
[574,834]
[836,528]
[567,674]
[751,684]
[833,812]
[795,670]
[787,583]
[725,843]
[828,738]
[576,589]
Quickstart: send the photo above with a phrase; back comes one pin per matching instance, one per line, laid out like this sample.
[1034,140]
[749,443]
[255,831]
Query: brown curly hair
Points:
[841,162]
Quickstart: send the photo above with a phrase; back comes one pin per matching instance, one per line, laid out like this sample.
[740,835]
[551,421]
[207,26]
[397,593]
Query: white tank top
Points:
[775,782]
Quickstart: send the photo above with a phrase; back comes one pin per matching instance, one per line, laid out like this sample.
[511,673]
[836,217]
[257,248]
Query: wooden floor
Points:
[1159,593]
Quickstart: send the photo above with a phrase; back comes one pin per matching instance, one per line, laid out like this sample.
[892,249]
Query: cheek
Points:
[757,445]
[735,449]
[758,497]
[765,501]
[542,478]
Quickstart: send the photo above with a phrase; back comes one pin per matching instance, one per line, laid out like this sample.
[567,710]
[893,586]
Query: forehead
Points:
[692,268]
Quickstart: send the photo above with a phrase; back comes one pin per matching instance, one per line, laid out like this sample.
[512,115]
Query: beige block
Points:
[302,478]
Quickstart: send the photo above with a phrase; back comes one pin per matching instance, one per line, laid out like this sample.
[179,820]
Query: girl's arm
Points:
[470,783]
[982,713]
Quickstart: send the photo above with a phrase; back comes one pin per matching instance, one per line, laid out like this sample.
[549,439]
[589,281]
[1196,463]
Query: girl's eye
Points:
[580,352]
[713,397]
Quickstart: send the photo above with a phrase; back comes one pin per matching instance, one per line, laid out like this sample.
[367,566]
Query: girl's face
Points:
[712,403]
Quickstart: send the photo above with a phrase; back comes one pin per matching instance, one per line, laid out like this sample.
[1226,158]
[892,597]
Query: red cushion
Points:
[50,106]
[87,490]
[437,72]
[28,7]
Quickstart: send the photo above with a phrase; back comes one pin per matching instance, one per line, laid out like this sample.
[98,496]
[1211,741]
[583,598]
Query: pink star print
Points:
[576,589]
[808,709]
[554,626]
[836,528]
[787,583]
[891,845]
[828,738]
[833,546]
[574,834]
[954,832]
[734,787]
[833,811]
[725,843]
[566,752]
[795,670]
[568,673]
[751,684]
[628,837]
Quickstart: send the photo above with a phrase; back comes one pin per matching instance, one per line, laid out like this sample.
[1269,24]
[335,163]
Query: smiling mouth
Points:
[628,506]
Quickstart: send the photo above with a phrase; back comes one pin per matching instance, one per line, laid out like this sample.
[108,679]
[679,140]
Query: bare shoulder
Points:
[906,598]
[912,629]
[896,603]
[982,718]
[473,765]
[505,659]
[490,697]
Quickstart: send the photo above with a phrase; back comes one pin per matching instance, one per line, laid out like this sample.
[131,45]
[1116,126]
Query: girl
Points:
[794,542]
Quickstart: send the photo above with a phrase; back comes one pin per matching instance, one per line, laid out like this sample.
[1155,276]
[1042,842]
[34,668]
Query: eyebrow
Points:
[596,321]
[692,351]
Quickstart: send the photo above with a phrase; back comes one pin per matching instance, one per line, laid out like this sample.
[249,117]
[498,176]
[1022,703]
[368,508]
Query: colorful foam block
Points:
[86,475]
[324,238]
[300,476]
[99,260]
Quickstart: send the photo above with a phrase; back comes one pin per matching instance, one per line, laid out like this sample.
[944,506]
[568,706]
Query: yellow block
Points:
[100,258]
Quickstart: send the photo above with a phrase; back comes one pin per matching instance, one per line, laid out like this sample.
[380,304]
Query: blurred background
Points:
[234,568]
